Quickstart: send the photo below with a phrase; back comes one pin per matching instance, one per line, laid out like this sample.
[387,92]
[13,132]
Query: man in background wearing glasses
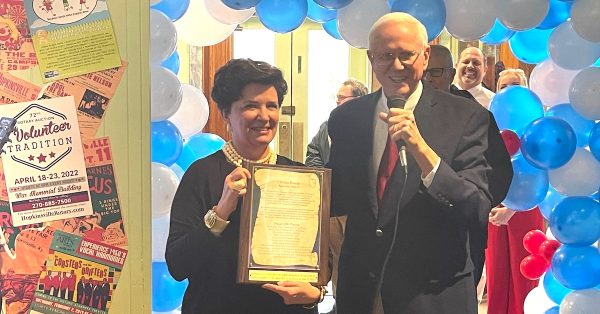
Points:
[406,246]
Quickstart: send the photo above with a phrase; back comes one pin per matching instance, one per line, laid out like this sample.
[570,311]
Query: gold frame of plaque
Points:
[294,246]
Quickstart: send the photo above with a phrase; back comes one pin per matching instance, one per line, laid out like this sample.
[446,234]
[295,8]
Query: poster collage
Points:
[62,238]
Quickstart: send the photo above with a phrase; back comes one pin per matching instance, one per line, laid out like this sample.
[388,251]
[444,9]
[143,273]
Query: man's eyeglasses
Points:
[435,72]
[342,97]
[387,58]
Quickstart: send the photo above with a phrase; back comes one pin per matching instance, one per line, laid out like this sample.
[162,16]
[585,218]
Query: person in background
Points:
[470,70]
[203,241]
[506,287]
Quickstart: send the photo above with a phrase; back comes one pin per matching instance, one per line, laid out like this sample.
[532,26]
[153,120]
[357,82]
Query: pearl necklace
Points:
[236,159]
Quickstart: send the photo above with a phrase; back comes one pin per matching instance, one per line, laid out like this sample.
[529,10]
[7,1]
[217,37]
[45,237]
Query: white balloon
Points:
[163,37]
[160,233]
[355,21]
[198,28]
[520,15]
[580,176]
[549,236]
[581,302]
[569,50]
[192,115]
[164,186]
[470,19]
[152,2]
[227,15]
[551,82]
[585,16]
[166,93]
[537,302]
[177,170]
[584,93]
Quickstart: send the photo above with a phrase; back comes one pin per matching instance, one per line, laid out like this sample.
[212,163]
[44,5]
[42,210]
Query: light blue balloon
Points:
[530,46]
[172,63]
[174,9]
[320,14]
[166,142]
[498,34]
[553,197]
[577,267]
[528,187]
[167,293]
[580,125]
[431,13]
[554,289]
[594,141]
[558,12]
[576,221]
[569,50]
[515,107]
[548,143]
[282,16]
[331,28]
[597,63]
[199,146]
[240,4]
[333,4]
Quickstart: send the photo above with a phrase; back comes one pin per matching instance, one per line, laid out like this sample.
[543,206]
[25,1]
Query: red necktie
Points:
[386,167]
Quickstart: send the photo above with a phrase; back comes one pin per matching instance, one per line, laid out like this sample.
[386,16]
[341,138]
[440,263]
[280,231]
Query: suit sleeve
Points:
[314,151]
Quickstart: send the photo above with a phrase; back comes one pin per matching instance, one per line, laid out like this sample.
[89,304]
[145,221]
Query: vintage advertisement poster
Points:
[106,224]
[43,164]
[92,92]
[13,89]
[80,276]
[72,37]
[16,46]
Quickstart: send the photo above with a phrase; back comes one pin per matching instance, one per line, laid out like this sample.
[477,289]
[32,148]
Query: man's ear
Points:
[452,72]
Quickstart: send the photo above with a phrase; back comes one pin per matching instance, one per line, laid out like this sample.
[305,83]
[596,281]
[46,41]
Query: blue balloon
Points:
[282,16]
[174,9]
[431,13]
[240,4]
[172,63]
[553,310]
[515,107]
[167,293]
[548,143]
[580,125]
[594,141]
[558,12]
[528,187]
[576,221]
[166,142]
[552,199]
[198,146]
[331,28]
[320,14]
[577,267]
[498,34]
[530,46]
[333,4]
[597,63]
[554,289]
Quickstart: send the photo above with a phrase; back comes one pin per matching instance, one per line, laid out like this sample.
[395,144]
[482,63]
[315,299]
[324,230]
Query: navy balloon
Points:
[167,293]
[577,267]
[174,9]
[576,221]
[554,289]
[548,143]
[552,199]
[282,16]
[331,27]
[172,63]
[558,12]
[515,107]
[580,125]
[333,4]
[498,34]
[240,4]
[530,46]
[320,14]
[166,142]
[528,187]
[199,146]
[594,141]
[431,13]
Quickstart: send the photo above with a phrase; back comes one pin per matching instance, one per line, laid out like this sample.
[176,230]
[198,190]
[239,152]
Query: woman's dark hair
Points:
[231,79]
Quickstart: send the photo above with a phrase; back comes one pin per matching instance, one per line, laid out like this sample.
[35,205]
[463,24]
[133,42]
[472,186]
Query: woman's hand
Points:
[294,292]
[233,187]
[500,216]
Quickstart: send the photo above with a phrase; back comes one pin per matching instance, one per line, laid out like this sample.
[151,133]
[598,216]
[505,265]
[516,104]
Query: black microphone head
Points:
[396,102]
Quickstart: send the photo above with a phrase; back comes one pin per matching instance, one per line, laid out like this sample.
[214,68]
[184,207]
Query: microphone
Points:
[399,102]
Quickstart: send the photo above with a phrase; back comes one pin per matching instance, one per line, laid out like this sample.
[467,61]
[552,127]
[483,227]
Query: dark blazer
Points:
[429,269]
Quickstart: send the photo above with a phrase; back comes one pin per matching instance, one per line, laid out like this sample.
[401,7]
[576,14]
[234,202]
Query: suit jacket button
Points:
[379,233]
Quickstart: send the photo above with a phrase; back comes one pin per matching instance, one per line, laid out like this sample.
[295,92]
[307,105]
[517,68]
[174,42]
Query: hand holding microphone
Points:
[399,121]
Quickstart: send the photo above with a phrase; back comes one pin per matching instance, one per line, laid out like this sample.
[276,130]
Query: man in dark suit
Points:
[408,231]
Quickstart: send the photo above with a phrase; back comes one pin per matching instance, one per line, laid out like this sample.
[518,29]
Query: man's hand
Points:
[500,216]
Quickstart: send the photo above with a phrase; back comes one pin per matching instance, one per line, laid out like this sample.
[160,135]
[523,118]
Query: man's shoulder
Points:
[355,106]
[455,103]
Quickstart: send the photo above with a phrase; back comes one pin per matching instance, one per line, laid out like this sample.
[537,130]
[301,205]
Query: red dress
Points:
[506,287]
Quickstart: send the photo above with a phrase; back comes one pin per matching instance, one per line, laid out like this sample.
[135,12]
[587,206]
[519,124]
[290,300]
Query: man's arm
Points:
[315,153]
